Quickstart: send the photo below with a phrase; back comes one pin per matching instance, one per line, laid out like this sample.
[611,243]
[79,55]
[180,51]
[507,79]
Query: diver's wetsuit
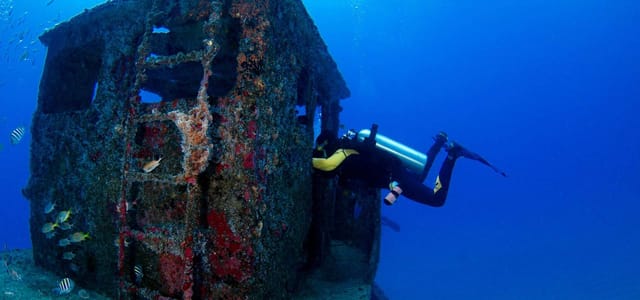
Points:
[378,169]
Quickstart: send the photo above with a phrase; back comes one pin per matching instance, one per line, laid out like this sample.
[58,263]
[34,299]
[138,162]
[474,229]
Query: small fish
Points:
[63,216]
[64,242]
[24,56]
[150,166]
[49,207]
[13,274]
[83,294]
[65,286]
[68,255]
[137,270]
[49,227]
[17,135]
[74,267]
[65,226]
[128,206]
[116,242]
[78,237]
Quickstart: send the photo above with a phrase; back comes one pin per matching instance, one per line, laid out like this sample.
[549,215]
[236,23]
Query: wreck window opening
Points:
[167,40]
[172,82]
[160,30]
[70,78]
[301,110]
[149,97]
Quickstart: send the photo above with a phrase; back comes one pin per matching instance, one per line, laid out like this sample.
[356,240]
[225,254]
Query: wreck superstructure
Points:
[206,191]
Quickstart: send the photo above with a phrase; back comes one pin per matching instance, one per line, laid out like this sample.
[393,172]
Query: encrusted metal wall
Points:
[204,194]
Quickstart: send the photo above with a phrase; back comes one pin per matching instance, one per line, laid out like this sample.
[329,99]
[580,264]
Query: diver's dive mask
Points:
[351,134]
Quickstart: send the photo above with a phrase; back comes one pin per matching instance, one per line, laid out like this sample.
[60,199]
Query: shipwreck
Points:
[178,134]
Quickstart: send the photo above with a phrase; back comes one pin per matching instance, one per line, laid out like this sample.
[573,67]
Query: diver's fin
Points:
[456,150]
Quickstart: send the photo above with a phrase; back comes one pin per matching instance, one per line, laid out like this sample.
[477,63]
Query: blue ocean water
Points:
[547,90]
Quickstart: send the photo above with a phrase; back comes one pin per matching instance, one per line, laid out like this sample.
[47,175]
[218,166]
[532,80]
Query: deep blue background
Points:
[547,90]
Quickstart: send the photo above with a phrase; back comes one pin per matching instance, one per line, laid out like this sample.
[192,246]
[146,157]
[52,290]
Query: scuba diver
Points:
[384,163]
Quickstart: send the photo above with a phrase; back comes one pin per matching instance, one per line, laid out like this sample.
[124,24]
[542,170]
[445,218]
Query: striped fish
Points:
[65,286]
[17,135]
[139,274]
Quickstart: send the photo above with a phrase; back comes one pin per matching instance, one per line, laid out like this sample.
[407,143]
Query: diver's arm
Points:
[332,162]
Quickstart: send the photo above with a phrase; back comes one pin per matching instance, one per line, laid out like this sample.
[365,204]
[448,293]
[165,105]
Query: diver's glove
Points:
[370,141]
[440,139]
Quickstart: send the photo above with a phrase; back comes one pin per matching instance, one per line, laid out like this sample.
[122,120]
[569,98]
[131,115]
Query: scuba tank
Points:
[410,158]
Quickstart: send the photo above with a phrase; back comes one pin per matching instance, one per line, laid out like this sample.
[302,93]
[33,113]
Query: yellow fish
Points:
[49,227]
[150,166]
[66,226]
[63,216]
[78,237]
[49,207]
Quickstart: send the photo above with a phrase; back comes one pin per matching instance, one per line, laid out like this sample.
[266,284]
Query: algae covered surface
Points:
[20,278]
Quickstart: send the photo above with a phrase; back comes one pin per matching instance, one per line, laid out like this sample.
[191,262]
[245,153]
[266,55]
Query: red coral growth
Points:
[139,236]
[230,257]
[247,161]
[188,253]
[252,128]
[172,272]
[187,286]
[218,221]
[191,180]
[247,195]
[154,135]
[121,251]
[222,167]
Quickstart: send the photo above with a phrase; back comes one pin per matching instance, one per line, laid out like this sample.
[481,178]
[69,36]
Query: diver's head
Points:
[350,135]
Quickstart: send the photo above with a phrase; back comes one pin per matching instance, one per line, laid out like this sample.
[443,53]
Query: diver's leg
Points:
[407,185]
[441,187]
[454,151]
[414,190]
[438,141]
